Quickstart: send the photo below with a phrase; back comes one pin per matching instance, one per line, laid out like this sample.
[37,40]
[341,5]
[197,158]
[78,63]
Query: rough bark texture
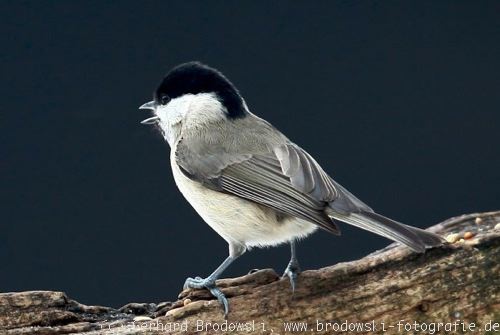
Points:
[458,281]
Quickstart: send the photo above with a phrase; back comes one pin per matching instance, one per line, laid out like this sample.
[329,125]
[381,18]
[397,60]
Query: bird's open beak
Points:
[149,105]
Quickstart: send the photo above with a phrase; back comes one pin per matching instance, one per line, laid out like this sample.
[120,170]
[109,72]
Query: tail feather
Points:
[415,238]
[430,239]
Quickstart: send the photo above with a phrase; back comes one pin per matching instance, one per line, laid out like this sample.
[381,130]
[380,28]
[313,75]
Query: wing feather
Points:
[283,177]
[258,181]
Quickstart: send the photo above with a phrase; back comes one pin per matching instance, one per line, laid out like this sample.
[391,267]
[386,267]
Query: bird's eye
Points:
[164,99]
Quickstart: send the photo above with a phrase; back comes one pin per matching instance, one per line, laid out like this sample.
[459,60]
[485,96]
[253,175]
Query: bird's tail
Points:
[415,238]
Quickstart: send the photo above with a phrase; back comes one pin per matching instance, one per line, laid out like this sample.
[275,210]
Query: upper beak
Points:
[149,105]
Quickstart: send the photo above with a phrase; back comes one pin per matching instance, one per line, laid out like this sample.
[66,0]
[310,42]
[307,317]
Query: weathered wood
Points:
[459,281]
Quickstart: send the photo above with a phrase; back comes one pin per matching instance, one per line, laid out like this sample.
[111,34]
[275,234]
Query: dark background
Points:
[399,101]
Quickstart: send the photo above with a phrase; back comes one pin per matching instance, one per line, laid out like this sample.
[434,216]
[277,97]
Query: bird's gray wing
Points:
[261,179]
[285,178]
[307,176]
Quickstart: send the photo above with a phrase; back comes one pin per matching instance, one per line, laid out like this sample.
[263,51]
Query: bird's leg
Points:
[209,283]
[293,268]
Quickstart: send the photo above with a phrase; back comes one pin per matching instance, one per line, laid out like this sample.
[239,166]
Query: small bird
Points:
[247,180]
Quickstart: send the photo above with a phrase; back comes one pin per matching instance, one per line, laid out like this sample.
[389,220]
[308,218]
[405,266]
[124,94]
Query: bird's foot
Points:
[209,284]
[291,271]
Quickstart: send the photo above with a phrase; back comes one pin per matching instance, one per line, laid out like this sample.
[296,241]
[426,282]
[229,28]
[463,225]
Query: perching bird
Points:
[246,179]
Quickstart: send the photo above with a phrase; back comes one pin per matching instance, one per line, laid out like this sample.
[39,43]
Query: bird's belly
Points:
[238,220]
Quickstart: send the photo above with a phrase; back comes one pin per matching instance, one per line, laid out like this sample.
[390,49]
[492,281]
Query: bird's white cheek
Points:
[170,122]
[170,115]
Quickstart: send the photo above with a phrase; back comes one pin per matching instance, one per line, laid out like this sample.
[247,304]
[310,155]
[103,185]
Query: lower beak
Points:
[151,120]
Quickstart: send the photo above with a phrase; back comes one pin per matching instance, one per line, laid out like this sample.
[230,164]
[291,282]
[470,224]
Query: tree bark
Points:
[459,281]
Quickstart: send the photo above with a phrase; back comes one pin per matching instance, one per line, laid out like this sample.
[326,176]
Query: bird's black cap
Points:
[194,78]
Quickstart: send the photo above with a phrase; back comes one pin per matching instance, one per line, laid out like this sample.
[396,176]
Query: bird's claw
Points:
[291,271]
[209,284]
[197,282]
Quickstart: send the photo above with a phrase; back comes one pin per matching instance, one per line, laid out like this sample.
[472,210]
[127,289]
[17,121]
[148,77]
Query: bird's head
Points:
[196,89]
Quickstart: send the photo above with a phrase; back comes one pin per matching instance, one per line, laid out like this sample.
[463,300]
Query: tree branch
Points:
[457,281]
